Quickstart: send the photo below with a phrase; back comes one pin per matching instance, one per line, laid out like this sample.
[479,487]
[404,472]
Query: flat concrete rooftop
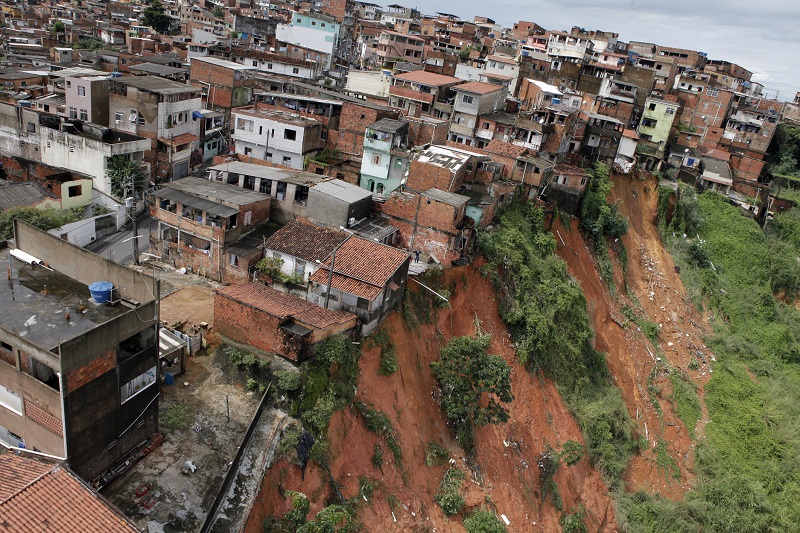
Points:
[33,304]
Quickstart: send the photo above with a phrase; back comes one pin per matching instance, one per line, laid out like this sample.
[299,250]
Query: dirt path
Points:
[655,292]
[504,472]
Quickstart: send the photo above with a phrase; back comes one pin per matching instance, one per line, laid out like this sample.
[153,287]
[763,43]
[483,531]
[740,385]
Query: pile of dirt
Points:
[503,475]
[652,288]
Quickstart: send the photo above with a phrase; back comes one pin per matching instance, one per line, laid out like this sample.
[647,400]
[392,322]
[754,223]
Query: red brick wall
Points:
[748,168]
[219,78]
[353,122]
[423,176]
[41,416]
[437,215]
[91,370]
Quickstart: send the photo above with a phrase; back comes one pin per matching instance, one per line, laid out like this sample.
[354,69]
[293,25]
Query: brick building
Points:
[197,219]
[276,322]
[226,84]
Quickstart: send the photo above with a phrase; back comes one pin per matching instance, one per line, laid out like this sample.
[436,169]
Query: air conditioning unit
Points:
[351,222]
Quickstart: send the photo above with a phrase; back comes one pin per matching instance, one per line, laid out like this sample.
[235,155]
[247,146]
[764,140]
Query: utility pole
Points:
[130,204]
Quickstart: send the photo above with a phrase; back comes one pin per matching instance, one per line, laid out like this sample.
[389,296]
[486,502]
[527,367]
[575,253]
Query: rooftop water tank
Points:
[101,291]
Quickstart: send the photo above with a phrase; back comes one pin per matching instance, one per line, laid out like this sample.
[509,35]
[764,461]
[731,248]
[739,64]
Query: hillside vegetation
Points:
[749,463]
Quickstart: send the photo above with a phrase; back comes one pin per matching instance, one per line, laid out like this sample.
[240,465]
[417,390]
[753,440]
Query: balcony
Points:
[484,134]
[378,145]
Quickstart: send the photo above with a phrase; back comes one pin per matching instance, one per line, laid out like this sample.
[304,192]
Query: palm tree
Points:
[122,171]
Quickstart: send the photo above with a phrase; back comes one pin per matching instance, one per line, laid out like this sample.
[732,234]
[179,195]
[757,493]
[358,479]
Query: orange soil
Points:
[504,475]
[659,297]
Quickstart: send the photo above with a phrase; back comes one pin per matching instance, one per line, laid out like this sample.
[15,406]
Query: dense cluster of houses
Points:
[309,155]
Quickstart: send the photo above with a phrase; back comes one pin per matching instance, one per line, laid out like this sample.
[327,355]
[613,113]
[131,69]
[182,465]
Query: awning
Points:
[716,179]
[212,208]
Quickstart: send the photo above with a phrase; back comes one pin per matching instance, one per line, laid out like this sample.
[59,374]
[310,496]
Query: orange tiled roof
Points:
[569,170]
[477,87]
[427,78]
[505,149]
[283,305]
[362,267]
[305,240]
[40,497]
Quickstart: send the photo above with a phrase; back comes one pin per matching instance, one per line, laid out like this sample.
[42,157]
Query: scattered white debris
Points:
[505,519]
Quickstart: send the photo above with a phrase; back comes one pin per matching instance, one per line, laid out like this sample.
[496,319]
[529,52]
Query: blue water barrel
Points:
[101,291]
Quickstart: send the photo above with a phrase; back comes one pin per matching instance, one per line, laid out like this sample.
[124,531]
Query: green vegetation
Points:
[548,466]
[484,521]
[573,522]
[155,17]
[474,385]
[665,462]
[545,311]
[271,266]
[330,519]
[378,423]
[388,364]
[572,452]
[749,464]
[601,220]
[44,219]
[648,328]
[123,173]
[783,153]
[174,417]
[449,496]
[289,439]
[685,400]
[254,369]
[436,454]
[377,456]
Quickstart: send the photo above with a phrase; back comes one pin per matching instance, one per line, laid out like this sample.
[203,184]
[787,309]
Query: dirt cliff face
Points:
[503,474]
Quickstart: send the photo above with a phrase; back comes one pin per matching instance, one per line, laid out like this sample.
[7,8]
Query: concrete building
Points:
[272,63]
[316,33]
[162,110]
[474,99]
[280,137]
[297,194]
[423,93]
[394,46]
[74,146]
[86,98]
[601,138]
[654,130]
[386,156]
[225,84]
[77,377]
[197,219]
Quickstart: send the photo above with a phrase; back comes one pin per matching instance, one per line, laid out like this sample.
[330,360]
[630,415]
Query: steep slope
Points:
[649,291]
[504,473]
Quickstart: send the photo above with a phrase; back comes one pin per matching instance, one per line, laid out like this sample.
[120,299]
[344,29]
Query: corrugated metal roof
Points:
[21,194]
[212,208]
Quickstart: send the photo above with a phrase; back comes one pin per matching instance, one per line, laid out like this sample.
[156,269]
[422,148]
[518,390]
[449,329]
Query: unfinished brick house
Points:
[276,322]
[198,218]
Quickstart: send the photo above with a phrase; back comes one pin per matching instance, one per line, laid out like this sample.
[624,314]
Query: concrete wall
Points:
[335,212]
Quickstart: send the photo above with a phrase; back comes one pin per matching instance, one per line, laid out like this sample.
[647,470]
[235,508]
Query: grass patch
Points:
[436,454]
[685,400]
[378,423]
[665,462]
[175,417]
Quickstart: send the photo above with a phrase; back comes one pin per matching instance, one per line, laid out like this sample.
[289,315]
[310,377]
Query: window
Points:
[118,117]
[669,111]
[467,99]
[363,304]
[234,260]
[248,218]
[265,186]
[255,63]
[287,160]
[269,66]
[295,70]
[604,143]
[313,22]
[712,92]
[376,160]
[73,112]
[75,190]
[137,385]
[281,190]
[84,115]
[652,107]
[10,400]
[290,135]
[31,127]
[583,181]
[246,125]
[81,90]
[301,195]
[247,150]
[69,84]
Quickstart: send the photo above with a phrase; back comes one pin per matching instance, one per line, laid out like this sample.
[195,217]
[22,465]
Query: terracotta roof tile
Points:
[569,170]
[52,499]
[505,149]
[305,240]
[427,78]
[363,266]
[477,87]
[283,305]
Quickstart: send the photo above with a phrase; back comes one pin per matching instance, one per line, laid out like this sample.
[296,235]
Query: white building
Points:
[276,136]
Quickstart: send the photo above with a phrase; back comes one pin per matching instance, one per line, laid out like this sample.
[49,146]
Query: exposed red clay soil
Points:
[503,475]
[658,296]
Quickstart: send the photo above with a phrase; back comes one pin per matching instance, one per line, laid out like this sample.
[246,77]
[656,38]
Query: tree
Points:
[121,171]
[473,385]
[44,219]
[59,28]
[218,12]
[155,17]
